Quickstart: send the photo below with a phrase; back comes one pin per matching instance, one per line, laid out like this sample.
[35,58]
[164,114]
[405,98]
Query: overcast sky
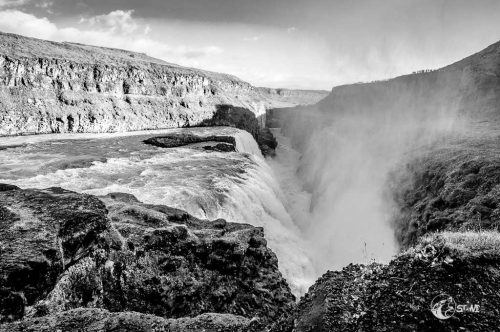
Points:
[314,44]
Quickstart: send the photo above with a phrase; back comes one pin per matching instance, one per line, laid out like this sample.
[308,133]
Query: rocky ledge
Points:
[72,260]
[222,143]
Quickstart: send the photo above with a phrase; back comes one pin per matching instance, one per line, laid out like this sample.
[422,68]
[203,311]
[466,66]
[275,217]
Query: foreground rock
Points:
[42,233]
[398,296]
[63,251]
[100,320]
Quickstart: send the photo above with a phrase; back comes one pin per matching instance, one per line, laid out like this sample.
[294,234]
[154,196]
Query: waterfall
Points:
[238,186]
[342,153]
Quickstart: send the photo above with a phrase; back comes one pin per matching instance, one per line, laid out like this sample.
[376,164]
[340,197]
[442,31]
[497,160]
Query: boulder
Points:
[42,234]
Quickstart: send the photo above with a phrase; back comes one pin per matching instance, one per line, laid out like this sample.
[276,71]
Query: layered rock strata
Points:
[49,87]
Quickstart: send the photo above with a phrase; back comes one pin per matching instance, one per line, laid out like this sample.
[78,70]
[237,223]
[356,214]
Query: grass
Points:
[467,244]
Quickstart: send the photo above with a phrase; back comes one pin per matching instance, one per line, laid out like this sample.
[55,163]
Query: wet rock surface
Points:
[63,251]
[177,140]
[220,147]
[267,142]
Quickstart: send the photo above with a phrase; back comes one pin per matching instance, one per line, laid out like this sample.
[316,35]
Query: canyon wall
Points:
[363,150]
[302,97]
[49,87]
[406,172]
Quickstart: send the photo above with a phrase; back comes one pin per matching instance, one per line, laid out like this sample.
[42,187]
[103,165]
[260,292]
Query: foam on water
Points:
[239,187]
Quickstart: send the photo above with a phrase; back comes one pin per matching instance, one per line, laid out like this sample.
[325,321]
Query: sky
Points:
[305,44]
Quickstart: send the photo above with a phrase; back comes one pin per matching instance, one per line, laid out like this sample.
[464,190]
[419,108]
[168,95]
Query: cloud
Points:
[118,29]
[46,4]
[12,3]
[291,29]
[118,21]
[15,21]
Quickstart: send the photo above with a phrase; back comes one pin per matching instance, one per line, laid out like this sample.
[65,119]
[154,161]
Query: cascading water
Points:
[239,187]
[344,162]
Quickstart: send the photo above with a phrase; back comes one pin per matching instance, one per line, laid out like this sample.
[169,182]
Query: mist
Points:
[350,144]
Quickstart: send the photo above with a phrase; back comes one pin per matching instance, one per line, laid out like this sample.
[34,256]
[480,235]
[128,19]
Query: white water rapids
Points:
[238,186]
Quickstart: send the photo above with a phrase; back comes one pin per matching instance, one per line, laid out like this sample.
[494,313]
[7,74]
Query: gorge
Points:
[144,201]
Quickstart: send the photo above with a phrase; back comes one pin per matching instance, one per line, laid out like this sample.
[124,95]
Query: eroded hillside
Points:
[49,87]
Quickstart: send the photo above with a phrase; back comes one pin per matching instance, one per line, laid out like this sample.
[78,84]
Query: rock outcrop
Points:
[43,233]
[176,140]
[100,320]
[49,87]
[62,251]
[398,296]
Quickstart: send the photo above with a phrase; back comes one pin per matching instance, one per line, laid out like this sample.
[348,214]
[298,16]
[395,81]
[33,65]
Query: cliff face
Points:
[48,87]
[431,136]
[470,87]
[302,97]
[455,187]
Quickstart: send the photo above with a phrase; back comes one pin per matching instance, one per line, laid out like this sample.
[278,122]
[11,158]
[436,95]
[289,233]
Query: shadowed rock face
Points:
[62,251]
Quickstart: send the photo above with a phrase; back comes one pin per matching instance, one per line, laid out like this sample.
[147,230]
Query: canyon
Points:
[161,198]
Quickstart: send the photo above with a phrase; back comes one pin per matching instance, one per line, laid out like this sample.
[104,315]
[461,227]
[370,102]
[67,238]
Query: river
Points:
[238,186]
